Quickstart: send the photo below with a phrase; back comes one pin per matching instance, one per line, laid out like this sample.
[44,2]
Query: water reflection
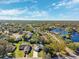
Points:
[62,32]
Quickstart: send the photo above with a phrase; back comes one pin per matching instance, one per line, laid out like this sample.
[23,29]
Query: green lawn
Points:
[18,53]
[41,54]
[31,53]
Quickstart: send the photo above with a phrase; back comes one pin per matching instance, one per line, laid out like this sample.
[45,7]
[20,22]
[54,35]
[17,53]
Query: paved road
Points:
[35,54]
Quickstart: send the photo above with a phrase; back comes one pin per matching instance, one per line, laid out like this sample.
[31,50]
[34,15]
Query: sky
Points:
[39,9]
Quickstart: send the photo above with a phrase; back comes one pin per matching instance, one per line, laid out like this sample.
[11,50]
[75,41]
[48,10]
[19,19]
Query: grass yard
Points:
[18,53]
[41,54]
[31,53]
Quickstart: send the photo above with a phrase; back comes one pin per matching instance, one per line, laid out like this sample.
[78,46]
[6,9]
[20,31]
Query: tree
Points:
[5,47]
[3,44]
[69,29]
[11,39]
[57,45]
[27,36]
[35,38]
[29,27]
[2,52]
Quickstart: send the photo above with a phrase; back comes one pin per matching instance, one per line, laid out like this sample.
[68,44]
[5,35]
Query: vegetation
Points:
[35,35]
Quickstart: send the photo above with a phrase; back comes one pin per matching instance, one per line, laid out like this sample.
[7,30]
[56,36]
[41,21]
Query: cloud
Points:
[21,18]
[23,14]
[15,1]
[59,4]
[25,11]
[65,3]
[12,18]
[8,1]
[11,12]
[69,15]
[39,14]
[75,1]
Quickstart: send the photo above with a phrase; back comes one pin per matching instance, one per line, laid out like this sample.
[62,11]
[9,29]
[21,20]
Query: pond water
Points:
[75,36]
[62,32]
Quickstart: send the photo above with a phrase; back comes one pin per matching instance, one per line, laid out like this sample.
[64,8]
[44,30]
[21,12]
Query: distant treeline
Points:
[38,21]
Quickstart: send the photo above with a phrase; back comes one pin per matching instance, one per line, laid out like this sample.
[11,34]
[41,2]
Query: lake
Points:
[62,32]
